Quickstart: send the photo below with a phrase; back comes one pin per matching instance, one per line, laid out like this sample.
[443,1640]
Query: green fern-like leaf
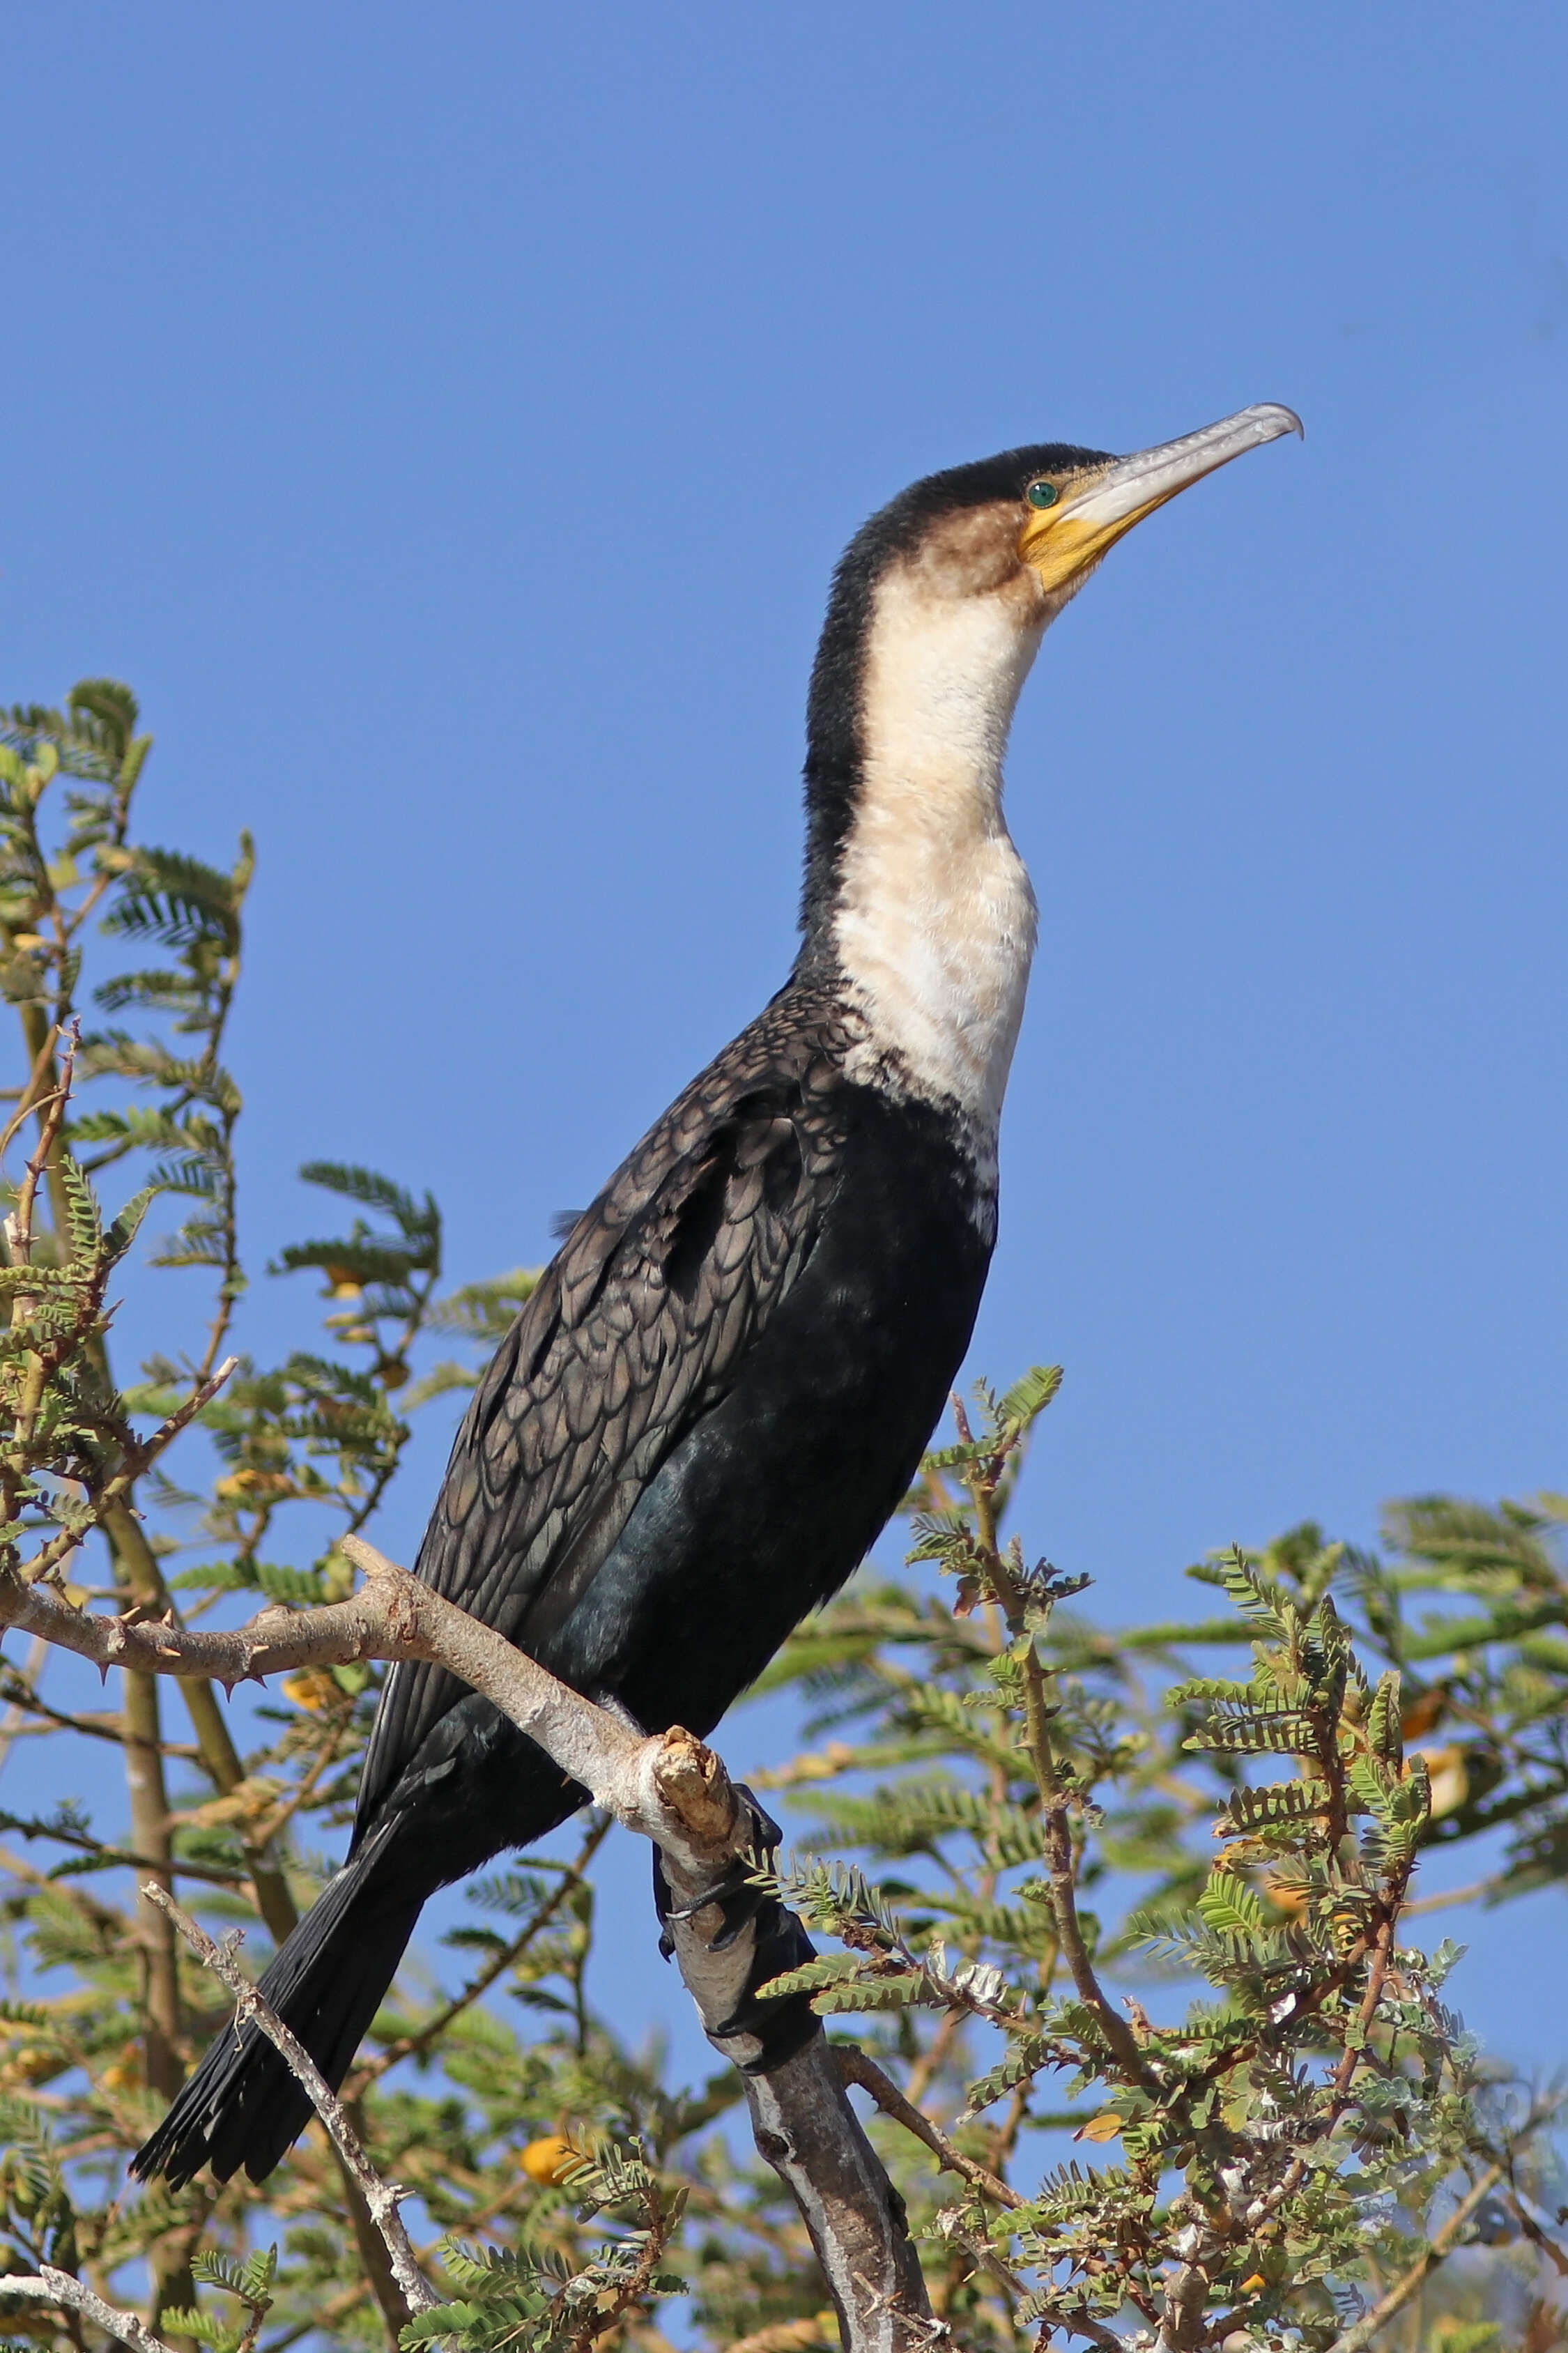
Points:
[441,2323]
[1258,1598]
[85,1223]
[1382,1725]
[1278,1803]
[418,1220]
[897,1990]
[1228,1906]
[103,715]
[218,2335]
[485,1311]
[1256,1735]
[178,900]
[296,1587]
[1024,2062]
[1374,1786]
[217,1577]
[1019,1407]
[125,1227]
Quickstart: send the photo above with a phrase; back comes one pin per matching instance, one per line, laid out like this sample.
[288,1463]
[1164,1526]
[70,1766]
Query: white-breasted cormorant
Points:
[723,1385]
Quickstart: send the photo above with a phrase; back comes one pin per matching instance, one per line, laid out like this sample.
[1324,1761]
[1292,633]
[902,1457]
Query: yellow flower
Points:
[550,2159]
[249,1480]
[310,1689]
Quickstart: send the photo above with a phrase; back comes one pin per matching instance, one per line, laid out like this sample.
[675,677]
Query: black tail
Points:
[242,2106]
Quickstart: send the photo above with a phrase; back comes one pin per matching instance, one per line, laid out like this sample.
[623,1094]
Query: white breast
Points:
[935,921]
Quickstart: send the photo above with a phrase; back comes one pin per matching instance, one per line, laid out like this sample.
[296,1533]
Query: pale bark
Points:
[50,2287]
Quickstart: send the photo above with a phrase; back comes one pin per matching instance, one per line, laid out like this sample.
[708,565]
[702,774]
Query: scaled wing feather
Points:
[634,1332]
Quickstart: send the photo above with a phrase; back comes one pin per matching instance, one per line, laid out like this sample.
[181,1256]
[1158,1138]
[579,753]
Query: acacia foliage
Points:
[1036,1821]
[1129,1939]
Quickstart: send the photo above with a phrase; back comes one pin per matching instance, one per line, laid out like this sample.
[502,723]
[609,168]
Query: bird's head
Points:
[939,605]
[1076,503]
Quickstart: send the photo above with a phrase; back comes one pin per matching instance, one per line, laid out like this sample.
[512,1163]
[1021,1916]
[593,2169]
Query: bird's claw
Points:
[737,1894]
[781,2024]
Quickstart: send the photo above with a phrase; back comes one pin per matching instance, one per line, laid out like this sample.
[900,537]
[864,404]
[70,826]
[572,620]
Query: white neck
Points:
[934,921]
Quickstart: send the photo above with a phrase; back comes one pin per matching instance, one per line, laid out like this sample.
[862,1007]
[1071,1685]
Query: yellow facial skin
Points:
[1095,509]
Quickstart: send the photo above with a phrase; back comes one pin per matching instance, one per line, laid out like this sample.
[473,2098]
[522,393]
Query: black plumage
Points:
[723,1385]
[737,1319]
[722,1302]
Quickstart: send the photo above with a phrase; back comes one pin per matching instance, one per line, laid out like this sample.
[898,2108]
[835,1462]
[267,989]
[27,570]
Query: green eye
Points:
[1042,495]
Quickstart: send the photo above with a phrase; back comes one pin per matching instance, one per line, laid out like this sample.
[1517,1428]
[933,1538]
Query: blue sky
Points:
[447,421]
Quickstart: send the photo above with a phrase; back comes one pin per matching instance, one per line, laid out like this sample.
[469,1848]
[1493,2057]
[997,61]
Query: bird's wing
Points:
[636,1330]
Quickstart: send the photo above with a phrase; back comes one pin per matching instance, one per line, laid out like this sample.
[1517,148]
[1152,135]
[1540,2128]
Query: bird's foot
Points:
[780,2024]
[737,1894]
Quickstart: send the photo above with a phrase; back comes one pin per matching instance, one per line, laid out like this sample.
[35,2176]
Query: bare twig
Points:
[28,1097]
[858,2066]
[107,1723]
[382,2197]
[1534,2233]
[1182,2313]
[52,1107]
[117,1858]
[670,1788]
[392,1617]
[50,2287]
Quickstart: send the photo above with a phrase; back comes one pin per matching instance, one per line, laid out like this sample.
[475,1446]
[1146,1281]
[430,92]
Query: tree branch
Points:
[670,1789]
[382,2197]
[858,2066]
[805,2127]
[51,2287]
[394,1617]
